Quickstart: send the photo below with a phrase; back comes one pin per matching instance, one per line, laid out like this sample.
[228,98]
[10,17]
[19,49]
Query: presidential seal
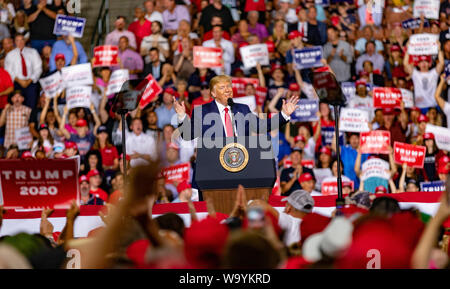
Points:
[233,157]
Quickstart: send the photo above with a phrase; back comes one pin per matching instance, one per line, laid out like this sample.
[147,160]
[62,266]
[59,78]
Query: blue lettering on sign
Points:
[308,57]
[436,186]
[307,111]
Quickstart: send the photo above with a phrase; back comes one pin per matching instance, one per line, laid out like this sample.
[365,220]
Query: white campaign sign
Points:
[248,100]
[252,54]
[375,168]
[77,75]
[79,96]
[117,79]
[423,44]
[407,97]
[354,120]
[52,85]
[429,8]
[23,138]
[441,136]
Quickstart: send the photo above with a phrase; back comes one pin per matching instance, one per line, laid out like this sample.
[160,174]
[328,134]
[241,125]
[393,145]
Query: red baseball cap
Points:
[428,135]
[60,56]
[92,173]
[83,178]
[426,58]
[299,138]
[305,177]
[381,188]
[71,145]
[294,87]
[294,34]
[270,46]
[388,111]
[415,108]
[276,66]
[395,48]
[183,186]
[137,250]
[170,91]
[27,155]
[422,118]
[81,123]
[360,82]
[325,150]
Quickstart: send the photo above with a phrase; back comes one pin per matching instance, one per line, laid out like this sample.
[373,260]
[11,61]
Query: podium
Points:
[225,163]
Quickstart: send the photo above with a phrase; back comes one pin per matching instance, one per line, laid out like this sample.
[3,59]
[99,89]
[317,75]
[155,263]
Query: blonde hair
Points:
[216,79]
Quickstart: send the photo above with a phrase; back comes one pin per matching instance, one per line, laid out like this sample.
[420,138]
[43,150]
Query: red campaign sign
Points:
[151,92]
[207,57]
[239,83]
[308,163]
[375,142]
[26,184]
[387,97]
[261,94]
[177,173]
[106,55]
[330,188]
[287,163]
[413,155]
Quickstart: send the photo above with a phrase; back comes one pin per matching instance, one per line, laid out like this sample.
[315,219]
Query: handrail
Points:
[101,25]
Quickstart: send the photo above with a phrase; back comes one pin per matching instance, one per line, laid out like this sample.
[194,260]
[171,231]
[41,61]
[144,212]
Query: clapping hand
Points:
[180,109]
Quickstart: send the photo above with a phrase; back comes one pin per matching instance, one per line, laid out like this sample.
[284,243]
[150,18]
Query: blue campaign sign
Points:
[324,3]
[308,57]
[327,133]
[414,23]
[349,89]
[436,186]
[68,25]
[306,111]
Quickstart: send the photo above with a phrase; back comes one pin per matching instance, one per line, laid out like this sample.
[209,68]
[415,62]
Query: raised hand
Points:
[290,106]
[180,109]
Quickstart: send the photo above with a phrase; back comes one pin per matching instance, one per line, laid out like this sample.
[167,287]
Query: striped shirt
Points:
[16,117]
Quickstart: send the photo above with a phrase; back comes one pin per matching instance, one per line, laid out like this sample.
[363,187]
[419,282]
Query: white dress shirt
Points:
[221,108]
[227,56]
[143,144]
[13,64]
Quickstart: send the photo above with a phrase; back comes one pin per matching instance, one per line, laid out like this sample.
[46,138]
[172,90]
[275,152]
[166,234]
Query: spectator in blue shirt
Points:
[72,50]
[166,111]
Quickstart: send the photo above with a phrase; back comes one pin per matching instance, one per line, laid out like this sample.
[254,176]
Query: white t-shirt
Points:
[425,84]
[142,144]
[291,226]
[447,113]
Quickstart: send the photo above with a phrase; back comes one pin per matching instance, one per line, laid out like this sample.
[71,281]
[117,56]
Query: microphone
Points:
[230,102]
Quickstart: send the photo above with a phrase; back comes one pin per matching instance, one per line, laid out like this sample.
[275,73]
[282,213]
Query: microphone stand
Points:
[340,201]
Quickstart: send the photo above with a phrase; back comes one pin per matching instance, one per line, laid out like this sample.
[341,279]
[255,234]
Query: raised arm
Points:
[262,80]
[102,108]
[401,182]
[96,118]
[441,62]
[44,111]
[440,101]
[55,106]
[74,51]
[406,65]
[62,124]
[357,167]
[275,99]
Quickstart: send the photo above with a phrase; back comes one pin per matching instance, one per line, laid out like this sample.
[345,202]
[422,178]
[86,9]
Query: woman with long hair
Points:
[109,154]
[20,25]
[45,141]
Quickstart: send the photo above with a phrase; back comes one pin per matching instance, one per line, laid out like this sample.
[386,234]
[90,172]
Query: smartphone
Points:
[255,217]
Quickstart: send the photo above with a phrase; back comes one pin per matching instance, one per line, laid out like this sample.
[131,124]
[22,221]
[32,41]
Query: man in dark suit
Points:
[223,118]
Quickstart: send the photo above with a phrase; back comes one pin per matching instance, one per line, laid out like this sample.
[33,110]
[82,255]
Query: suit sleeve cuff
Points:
[286,117]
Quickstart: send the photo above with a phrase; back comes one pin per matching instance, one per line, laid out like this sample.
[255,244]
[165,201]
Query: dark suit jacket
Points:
[206,122]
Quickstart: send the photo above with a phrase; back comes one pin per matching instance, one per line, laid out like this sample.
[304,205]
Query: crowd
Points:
[360,44]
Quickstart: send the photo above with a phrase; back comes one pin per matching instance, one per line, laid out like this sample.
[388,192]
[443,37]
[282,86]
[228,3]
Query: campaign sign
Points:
[414,23]
[23,138]
[349,89]
[327,133]
[69,25]
[331,188]
[151,92]
[375,142]
[321,174]
[306,111]
[249,100]
[106,55]
[375,168]
[387,97]
[429,8]
[308,57]
[436,186]
[324,3]
[441,136]
[52,85]
[77,75]
[308,164]
[412,155]
[117,79]
[261,94]
[423,44]
[354,120]
[252,54]
[239,83]
[79,96]
[407,97]
[26,184]
[177,173]
[207,57]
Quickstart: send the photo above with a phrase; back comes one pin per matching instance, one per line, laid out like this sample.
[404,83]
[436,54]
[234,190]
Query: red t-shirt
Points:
[109,154]
[115,197]
[5,83]
[140,31]
[99,193]
[199,101]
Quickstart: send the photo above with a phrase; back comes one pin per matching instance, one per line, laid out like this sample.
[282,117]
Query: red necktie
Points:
[228,125]
[24,65]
